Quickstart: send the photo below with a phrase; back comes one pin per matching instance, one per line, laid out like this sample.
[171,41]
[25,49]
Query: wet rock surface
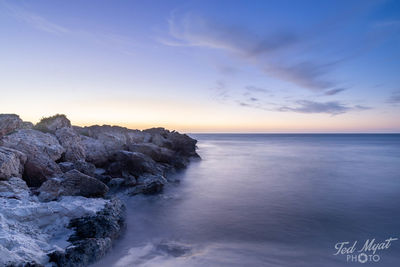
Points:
[93,236]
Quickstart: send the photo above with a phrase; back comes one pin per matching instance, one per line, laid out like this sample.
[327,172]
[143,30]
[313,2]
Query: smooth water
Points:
[270,200]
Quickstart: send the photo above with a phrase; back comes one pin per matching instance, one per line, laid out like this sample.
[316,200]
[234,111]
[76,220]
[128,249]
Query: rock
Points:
[71,141]
[181,143]
[116,182]
[9,123]
[106,223]
[27,125]
[80,165]
[51,190]
[93,236]
[14,188]
[134,163]
[79,184]
[95,151]
[41,149]
[112,137]
[66,166]
[149,184]
[82,253]
[11,163]
[52,124]
[158,154]
[74,183]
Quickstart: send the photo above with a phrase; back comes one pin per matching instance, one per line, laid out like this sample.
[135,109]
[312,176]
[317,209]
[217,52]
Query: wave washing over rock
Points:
[59,185]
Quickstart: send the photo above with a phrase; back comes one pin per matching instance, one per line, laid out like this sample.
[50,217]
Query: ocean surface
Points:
[271,200]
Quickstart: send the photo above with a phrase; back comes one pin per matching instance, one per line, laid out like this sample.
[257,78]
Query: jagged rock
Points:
[41,149]
[85,167]
[66,166]
[11,163]
[52,124]
[116,182]
[158,154]
[71,141]
[106,223]
[135,163]
[95,151]
[82,253]
[27,125]
[80,165]
[9,123]
[51,190]
[181,143]
[93,236]
[111,137]
[14,188]
[73,183]
[148,184]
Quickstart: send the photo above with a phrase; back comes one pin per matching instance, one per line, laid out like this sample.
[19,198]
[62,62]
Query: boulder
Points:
[95,151]
[66,166]
[93,236]
[41,149]
[149,184]
[11,163]
[180,143]
[158,154]
[72,183]
[71,141]
[52,124]
[14,188]
[134,163]
[112,137]
[80,165]
[9,123]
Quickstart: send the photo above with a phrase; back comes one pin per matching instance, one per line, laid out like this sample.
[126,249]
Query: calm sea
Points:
[272,200]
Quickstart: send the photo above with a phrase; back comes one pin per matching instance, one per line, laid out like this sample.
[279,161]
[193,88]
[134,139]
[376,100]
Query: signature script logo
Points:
[365,253]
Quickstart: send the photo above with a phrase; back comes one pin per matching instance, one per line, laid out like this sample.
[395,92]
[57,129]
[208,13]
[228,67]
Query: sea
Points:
[272,200]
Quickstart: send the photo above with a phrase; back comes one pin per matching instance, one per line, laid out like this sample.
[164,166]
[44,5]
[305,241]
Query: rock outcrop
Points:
[44,166]
[41,149]
[93,236]
[71,141]
[9,123]
[11,163]
[52,124]
[72,183]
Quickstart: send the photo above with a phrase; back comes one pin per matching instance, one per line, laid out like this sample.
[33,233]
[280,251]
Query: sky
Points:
[204,66]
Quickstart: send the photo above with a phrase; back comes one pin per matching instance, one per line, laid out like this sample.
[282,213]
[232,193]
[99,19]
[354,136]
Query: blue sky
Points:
[204,66]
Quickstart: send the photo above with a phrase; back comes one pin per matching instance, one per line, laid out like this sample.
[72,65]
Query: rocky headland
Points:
[59,185]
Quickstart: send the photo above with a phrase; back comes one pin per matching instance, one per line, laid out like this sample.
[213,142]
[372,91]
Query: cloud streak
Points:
[334,91]
[269,53]
[394,98]
[332,107]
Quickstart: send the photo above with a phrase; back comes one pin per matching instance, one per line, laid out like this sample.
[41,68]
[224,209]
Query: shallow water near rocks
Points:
[270,200]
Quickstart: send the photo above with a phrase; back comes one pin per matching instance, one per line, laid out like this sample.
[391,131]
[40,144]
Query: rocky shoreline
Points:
[59,185]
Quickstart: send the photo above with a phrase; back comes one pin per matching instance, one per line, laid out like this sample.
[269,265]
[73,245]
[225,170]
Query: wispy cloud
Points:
[394,98]
[334,91]
[270,53]
[121,43]
[332,107]
[256,89]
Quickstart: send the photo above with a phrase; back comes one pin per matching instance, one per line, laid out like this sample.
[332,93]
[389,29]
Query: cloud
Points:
[192,30]
[334,91]
[256,89]
[121,43]
[394,98]
[333,107]
[271,53]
